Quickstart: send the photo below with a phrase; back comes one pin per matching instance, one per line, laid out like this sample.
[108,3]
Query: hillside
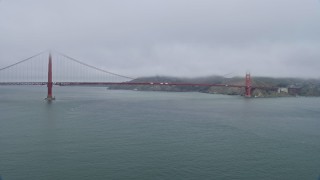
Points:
[294,86]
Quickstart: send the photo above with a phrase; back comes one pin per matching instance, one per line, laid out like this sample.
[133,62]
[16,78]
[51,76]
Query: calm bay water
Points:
[94,133]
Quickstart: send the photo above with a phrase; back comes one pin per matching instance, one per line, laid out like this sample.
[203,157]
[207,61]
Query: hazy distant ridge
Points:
[307,87]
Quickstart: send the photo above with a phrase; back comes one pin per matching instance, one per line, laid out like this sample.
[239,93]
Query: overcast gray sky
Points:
[169,37]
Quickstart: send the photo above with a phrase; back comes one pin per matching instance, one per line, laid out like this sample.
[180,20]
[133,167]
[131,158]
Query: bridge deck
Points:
[132,84]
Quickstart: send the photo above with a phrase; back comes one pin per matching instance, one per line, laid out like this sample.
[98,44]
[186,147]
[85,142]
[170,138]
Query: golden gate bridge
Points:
[67,71]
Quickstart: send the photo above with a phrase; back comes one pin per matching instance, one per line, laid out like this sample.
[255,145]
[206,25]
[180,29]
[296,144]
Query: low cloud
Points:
[176,38]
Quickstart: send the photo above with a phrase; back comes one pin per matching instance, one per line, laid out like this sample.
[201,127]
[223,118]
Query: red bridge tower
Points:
[50,84]
[248,85]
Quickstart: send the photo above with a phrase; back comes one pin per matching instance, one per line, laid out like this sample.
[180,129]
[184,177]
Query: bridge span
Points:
[49,82]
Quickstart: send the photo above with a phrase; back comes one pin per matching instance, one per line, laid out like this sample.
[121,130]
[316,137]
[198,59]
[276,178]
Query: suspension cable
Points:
[93,67]
[24,60]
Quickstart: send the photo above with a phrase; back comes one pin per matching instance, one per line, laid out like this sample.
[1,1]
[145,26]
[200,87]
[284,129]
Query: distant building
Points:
[283,90]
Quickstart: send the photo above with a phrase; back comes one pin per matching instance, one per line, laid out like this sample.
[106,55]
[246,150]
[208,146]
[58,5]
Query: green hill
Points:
[294,86]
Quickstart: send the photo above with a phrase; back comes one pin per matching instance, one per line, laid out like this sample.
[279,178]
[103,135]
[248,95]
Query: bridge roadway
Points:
[132,84]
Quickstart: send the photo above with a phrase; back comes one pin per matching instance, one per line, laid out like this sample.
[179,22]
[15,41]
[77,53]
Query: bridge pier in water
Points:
[50,84]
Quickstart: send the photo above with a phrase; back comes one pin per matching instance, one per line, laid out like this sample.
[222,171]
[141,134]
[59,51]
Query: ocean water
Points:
[92,133]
